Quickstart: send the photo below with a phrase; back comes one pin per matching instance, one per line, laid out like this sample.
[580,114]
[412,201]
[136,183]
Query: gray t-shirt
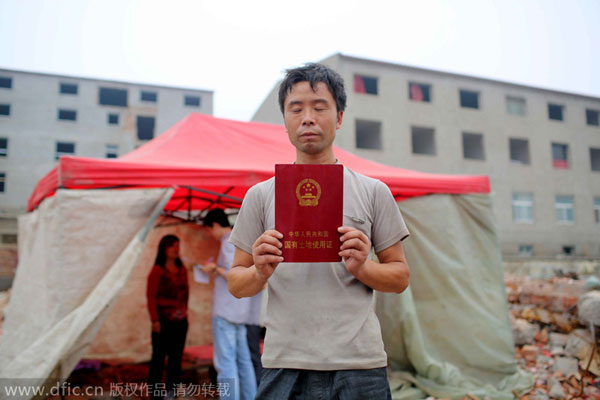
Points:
[253,317]
[319,316]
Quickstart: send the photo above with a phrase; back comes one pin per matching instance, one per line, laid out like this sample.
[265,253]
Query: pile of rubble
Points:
[4,298]
[555,326]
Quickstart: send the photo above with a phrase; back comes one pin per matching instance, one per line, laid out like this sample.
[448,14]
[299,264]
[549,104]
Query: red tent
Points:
[218,160]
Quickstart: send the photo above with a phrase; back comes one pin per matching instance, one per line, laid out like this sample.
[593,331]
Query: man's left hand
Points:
[355,248]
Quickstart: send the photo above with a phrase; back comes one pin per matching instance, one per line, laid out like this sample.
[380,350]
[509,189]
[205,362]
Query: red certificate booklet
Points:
[309,203]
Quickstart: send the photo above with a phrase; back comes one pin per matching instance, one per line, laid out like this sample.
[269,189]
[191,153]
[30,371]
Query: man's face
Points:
[212,230]
[311,118]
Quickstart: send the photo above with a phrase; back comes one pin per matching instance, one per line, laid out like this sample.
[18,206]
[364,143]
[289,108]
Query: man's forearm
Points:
[385,277]
[244,281]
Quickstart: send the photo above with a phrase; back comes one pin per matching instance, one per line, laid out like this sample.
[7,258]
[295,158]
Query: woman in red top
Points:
[167,294]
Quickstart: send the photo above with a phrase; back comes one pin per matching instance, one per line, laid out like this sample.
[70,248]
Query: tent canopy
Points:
[225,157]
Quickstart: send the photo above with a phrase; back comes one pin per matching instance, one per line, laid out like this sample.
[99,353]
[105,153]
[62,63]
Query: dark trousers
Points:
[168,343]
[299,384]
[253,337]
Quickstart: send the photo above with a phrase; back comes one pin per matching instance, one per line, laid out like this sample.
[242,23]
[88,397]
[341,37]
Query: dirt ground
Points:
[132,382]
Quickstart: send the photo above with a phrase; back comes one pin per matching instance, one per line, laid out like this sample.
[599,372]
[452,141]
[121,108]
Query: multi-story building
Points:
[45,116]
[540,148]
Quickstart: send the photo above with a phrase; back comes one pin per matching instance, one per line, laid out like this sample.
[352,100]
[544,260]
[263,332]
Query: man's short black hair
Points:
[314,73]
[216,215]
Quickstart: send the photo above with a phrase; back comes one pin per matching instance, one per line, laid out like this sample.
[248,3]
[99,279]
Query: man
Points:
[253,333]
[323,338]
[231,356]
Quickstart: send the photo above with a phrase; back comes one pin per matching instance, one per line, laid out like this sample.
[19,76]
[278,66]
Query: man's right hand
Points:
[209,268]
[266,253]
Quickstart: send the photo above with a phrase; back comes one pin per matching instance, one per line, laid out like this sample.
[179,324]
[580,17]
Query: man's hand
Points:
[156,326]
[390,274]
[209,268]
[266,253]
[355,249]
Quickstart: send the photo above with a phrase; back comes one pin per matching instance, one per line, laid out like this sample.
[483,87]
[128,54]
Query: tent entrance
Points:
[185,211]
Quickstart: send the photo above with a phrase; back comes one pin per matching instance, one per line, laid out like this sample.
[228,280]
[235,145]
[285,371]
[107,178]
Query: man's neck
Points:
[223,232]
[322,158]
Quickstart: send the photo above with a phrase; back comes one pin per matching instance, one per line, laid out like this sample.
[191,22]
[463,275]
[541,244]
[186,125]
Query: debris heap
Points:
[555,326]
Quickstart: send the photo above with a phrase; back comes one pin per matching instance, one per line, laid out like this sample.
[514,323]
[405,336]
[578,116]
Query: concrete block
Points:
[566,365]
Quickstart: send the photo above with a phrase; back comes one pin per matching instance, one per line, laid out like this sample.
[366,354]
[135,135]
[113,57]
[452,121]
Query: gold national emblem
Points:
[308,193]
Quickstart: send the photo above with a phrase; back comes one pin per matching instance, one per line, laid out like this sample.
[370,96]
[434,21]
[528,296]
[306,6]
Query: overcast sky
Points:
[239,49]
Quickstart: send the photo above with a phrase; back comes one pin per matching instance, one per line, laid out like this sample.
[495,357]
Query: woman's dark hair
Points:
[313,74]
[161,257]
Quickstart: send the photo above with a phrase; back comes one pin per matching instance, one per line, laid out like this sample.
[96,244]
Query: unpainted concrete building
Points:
[43,117]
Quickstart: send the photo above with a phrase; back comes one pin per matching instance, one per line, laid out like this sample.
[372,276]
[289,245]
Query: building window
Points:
[4,109]
[64,149]
[473,146]
[9,238]
[193,101]
[525,250]
[112,150]
[519,150]
[365,84]
[560,153]
[568,250]
[597,209]
[522,205]
[555,112]
[3,147]
[564,209]
[368,134]
[113,119]
[148,96]
[423,140]
[515,105]
[595,159]
[68,88]
[2,181]
[67,115]
[112,97]
[5,82]
[591,117]
[145,127]
[419,92]
[469,99]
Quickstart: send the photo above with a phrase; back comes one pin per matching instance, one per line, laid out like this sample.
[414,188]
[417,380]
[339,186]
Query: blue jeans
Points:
[299,384]
[235,373]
